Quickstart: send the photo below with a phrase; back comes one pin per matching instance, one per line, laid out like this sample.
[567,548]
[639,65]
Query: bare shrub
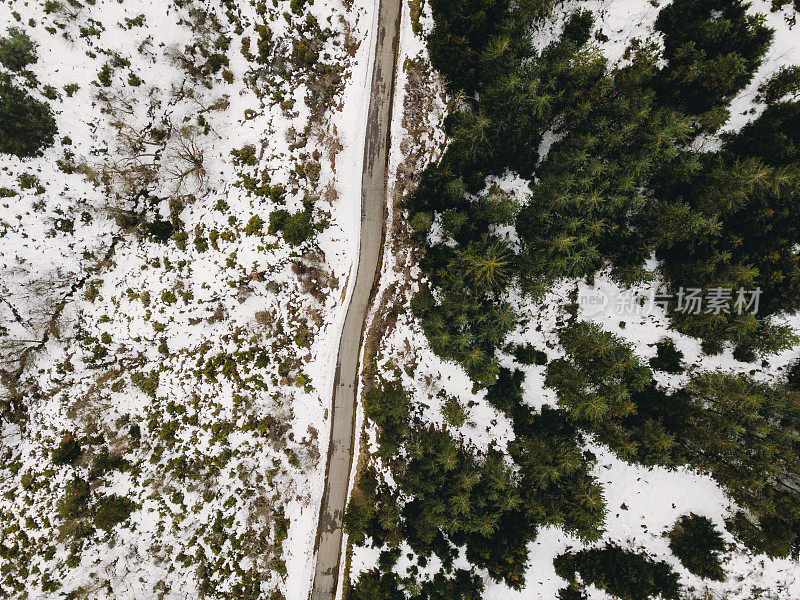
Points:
[136,155]
[351,41]
[313,276]
[185,161]
[264,318]
[331,194]
[329,139]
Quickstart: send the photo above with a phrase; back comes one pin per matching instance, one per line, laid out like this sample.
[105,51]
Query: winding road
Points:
[373,196]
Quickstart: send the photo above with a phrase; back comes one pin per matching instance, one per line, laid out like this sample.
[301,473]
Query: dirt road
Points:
[373,198]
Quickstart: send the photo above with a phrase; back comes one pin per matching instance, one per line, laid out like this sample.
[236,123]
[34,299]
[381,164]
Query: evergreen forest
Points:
[617,179]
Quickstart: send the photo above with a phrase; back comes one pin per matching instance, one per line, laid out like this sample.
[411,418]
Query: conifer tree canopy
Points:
[27,125]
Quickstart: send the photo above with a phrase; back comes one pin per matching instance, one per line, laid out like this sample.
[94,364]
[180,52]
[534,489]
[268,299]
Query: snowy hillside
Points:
[175,268]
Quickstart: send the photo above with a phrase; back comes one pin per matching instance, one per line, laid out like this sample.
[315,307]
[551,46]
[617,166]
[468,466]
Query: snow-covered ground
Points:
[205,361]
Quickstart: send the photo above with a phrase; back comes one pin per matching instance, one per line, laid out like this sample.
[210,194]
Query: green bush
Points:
[668,358]
[112,510]
[17,50]
[160,230]
[74,504]
[147,383]
[571,593]
[712,347]
[245,156]
[745,353]
[216,62]
[27,125]
[454,412]
[697,544]
[104,75]
[105,462]
[67,452]
[505,394]
[528,355]
[295,227]
[254,225]
[277,219]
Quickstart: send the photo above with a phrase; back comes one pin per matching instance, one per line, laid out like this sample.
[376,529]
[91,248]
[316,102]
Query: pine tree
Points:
[27,126]
[668,358]
[597,380]
[712,48]
[744,434]
[784,82]
[372,585]
[390,409]
[463,585]
[773,138]
[738,235]
[462,33]
[488,263]
[17,50]
[697,544]
[622,573]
